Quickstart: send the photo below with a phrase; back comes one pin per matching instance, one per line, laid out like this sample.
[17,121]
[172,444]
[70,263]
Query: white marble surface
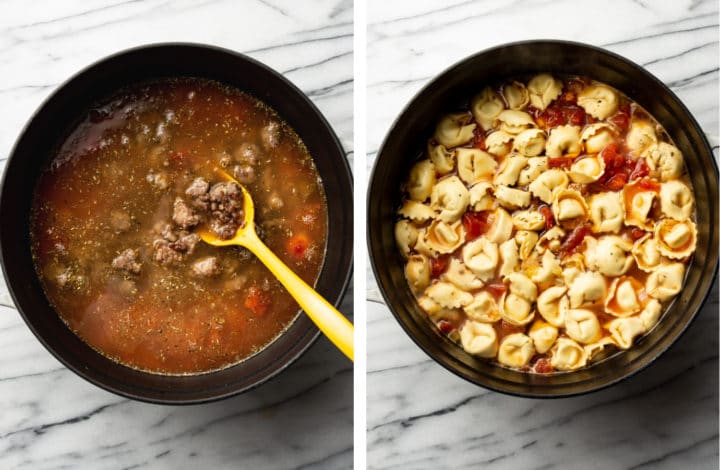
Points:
[49,417]
[421,416]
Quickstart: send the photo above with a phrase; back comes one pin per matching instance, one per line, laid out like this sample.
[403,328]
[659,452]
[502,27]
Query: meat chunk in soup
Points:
[127,261]
[206,267]
[226,204]
[183,215]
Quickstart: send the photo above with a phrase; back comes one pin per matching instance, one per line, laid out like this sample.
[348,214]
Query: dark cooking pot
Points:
[406,141]
[46,130]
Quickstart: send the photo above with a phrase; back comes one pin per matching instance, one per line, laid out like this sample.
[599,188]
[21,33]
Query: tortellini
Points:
[676,200]
[516,350]
[474,165]
[514,122]
[640,136]
[548,184]
[582,325]
[538,236]
[486,106]
[569,205]
[442,237]
[666,281]
[624,296]
[607,212]
[450,198]
[543,90]
[530,142]
[479,339]
[587,170]
[587,288]
[454,130]
[461,276]
[483,308]
[610,255]
[406,235]
[597,136]
[543,335]
[417,272]
[568,355]
[509,171]
[563,141]
[549,305]
[516,95]
[448,295]
[482,257]
[665,160]
[598,101]
[442,158]
[499,143]
[676,239]
[638,203]
[421,181]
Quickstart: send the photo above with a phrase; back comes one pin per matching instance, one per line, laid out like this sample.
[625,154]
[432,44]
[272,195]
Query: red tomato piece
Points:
[649,184]
[297,245]
[637,233]
[479,138]
[497,288]
[476,223]
[445,326]
[575,115]
[257,301]
[640,170]
[560,162]
[549,219]
[616,182]
[508,328]
[574,239]
[543,366]
[621,120]
[438,265]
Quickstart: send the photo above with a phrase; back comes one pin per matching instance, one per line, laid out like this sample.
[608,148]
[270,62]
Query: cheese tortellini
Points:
[547,225]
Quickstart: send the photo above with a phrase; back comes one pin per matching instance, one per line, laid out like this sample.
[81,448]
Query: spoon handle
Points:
[330,321]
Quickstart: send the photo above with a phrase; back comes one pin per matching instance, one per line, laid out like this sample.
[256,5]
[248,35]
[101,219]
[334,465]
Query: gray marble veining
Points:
[49,417]
[421,416]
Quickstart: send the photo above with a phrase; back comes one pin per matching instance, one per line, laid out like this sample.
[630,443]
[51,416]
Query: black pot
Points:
[406,141]
[34,148]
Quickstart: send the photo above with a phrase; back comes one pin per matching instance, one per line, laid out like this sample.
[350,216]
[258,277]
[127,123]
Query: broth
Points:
[113,219]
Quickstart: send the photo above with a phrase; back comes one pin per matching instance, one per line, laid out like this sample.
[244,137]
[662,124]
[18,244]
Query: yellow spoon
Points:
[331,322]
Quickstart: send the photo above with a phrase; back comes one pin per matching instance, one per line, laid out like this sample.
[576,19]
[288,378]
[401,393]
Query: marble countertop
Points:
[51,418]
[420,415]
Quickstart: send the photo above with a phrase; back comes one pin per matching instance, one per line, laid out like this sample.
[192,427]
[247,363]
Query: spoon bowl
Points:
[327,318]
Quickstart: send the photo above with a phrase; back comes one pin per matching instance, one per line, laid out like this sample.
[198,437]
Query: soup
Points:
[548,224]
[115,212]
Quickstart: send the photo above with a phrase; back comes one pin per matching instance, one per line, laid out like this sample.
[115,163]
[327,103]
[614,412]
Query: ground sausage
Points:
[127,261]
[164,253]
[183,215]
[226,204]
[206,267]
[247,154]
[197,192]
[270,135]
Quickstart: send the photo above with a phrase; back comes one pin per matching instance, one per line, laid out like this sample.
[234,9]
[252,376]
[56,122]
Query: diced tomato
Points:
[542,366]
[257,301]
[297,245]
[637,233]
[621,120]
[508,328]
[616,182]
[438,265]
[641,169]
[575,116]
[533,111]
[476,223]
[573,240]
[445,326]
[613,158]
[497,288]
[479,138]
[649,184]
[554,117]
[559,162]
[549,219]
